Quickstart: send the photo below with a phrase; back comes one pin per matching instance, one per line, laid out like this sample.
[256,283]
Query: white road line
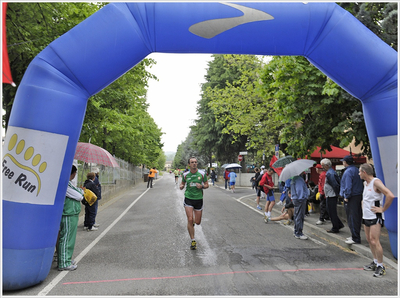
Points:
[262,213]
[62,274]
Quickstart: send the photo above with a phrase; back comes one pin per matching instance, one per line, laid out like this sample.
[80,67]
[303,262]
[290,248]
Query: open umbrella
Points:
[94,154]
[233,166]
[283,161]
[295,168]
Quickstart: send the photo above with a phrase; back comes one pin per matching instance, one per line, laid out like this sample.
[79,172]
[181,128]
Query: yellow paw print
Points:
[29,154]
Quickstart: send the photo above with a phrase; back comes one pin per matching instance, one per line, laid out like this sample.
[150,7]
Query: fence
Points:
[109,175]
[113,180]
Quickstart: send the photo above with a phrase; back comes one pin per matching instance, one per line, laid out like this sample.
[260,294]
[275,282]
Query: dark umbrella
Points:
[283,161]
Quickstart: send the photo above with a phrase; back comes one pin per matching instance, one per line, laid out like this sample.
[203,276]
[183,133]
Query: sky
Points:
[173,98]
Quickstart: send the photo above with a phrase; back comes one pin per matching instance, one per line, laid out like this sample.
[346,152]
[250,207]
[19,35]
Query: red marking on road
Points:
[208,274]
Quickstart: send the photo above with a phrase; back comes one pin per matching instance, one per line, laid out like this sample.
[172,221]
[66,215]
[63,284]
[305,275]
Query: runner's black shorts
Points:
[195,204]
[371,222]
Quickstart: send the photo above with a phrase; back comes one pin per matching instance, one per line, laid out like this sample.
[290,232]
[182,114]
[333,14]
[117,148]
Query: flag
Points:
[7,78]
[277,170]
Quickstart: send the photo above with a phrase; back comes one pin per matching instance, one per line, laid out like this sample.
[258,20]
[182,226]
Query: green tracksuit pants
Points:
[66,242]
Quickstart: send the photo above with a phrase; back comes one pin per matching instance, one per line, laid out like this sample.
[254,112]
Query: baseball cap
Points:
[348,158]
[318,166]
[262,167]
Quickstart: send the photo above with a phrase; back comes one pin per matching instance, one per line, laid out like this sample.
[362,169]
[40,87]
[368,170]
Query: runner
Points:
[195,181]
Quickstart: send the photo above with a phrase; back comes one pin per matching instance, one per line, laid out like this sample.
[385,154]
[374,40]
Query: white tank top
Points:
[370,196]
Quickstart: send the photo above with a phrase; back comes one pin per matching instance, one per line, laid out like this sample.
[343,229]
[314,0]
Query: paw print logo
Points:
[33,164]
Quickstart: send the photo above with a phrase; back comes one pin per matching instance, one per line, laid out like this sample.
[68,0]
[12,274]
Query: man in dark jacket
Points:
[351,189]
[90,211]
[332,189]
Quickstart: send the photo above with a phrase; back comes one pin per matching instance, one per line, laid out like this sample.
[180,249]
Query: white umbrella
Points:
[295,168]
[233,166]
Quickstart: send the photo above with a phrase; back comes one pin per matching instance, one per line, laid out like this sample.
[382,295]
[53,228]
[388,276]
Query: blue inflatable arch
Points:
[49,107]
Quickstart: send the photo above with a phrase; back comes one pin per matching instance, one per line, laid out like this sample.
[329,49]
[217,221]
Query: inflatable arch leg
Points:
[49,108]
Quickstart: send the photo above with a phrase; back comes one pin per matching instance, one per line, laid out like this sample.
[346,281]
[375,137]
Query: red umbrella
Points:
[6,65]
[94,154]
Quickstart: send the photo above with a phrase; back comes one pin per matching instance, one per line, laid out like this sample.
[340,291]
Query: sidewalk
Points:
[311,228]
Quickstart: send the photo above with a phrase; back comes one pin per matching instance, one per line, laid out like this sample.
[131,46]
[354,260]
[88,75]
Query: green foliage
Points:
[380,18]
[314,110]
[30,28]
[116,118]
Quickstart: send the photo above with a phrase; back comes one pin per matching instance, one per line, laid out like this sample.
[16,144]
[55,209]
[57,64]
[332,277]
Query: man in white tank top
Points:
[373,215]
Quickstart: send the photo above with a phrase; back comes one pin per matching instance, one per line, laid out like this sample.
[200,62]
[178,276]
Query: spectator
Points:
[299,193]
[69,225]
[331,190]
[323,212]
[268,185]
[97,183]
[351,189]
[226,177]
[232,180]
[286,212]
[213,176]
[90,211]
[152,174]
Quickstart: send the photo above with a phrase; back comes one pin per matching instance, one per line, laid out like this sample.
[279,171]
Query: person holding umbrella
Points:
[90,211]
[300,193]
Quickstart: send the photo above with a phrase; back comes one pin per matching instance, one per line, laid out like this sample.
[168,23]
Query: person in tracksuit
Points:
[69,225]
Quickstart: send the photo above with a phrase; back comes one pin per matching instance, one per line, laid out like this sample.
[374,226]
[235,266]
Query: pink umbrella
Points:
[94,154]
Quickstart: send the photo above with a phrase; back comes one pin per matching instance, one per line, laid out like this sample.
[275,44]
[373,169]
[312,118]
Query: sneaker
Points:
[295,236]
[303,237]
[350,241]
[320,222]
[348,238]
[259,208]
[193,245]
[92,229]
[266,219]
[279,203]
[96,225]
[85,228]
[73,262]
[380,271]
[370,267]
[69,268]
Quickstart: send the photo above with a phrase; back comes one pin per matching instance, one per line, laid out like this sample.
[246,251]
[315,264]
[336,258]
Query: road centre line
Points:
[62,274]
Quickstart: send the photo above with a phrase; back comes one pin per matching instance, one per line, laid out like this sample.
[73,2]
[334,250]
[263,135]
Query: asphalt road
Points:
[142,248]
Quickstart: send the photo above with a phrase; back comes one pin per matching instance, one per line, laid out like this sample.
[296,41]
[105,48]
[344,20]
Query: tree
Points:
[210,136]
[311,107]
[240,107]
[30,28]
[380,18]
[116,118]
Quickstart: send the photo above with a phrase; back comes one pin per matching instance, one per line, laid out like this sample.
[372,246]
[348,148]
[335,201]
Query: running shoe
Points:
[266,219]
[259,208]
[380,271]
[370,267]
[69,268]
[193,245]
